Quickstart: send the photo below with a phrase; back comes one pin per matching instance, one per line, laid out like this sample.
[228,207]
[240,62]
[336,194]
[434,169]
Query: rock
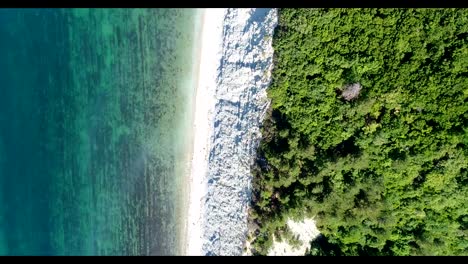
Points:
[244,75]
[350,92]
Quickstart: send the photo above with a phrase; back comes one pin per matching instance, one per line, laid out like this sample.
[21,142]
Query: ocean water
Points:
[95,112]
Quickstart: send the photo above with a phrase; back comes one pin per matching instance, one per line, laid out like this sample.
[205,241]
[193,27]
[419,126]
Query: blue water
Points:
[91,123]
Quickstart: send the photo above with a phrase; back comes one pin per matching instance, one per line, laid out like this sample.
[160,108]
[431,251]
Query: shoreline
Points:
[188,151]
[237,89]
[209,56]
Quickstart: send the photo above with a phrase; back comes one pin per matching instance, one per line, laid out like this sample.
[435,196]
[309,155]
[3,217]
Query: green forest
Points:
[367,132]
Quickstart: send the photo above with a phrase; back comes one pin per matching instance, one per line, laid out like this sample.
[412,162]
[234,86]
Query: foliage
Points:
[385,173]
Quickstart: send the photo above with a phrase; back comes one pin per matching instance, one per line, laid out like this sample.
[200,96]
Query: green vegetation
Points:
[385,173]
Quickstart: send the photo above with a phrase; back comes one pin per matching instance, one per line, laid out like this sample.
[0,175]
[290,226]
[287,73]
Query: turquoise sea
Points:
[95,118]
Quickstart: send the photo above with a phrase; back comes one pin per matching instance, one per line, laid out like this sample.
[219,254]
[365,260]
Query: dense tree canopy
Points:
[385,173]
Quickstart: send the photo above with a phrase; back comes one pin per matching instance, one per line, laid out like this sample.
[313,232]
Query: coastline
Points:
[240,103]
[203,108]
[235,58]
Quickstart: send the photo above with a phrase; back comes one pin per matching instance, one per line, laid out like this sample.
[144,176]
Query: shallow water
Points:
[95,107]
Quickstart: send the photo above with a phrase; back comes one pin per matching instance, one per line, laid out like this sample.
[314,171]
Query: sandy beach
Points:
[210,54]
[235,60]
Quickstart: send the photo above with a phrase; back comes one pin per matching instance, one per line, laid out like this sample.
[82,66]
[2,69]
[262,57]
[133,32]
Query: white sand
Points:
[211,48]
[306,232]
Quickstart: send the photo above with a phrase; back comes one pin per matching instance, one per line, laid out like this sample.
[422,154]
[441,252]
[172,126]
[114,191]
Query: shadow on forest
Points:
[320,246]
